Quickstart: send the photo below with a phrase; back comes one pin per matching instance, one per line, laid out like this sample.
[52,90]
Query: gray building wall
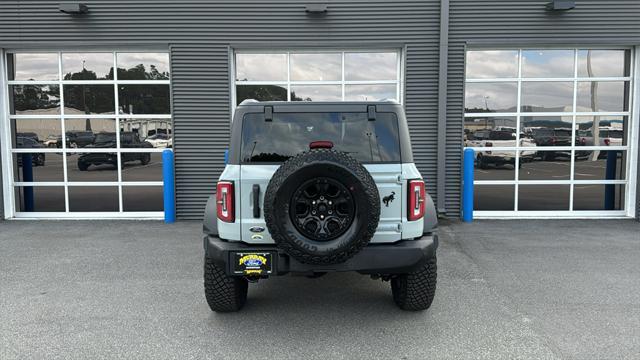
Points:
[199,35]
[524,23]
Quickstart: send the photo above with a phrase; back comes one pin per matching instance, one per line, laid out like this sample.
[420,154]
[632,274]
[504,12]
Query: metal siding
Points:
[199,33]
[523,23]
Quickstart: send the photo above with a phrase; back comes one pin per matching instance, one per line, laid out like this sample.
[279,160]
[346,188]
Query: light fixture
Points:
[315,8]
[73,8]
[561,5]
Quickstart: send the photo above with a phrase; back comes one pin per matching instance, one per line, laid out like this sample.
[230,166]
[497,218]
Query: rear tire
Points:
[224,293]
[145,159]
[82,166]
[415,291]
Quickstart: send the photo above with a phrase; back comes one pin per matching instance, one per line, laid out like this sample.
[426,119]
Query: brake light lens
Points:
[416,200]
[224,201]
[607,142]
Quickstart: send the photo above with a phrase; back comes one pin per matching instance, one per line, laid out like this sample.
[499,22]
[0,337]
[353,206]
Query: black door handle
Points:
[256,201]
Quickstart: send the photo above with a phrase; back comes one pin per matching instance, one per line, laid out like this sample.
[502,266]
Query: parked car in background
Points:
[76,139]
[545,137]
[52,141]
[500,138]
[160,140]
[107,140]
[30,135]
[22,142]
[608,136]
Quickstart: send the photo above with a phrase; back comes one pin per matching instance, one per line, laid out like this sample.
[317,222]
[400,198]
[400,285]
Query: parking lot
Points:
[507,289]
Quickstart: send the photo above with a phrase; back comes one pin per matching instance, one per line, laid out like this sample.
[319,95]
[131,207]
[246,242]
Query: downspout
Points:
[442,105]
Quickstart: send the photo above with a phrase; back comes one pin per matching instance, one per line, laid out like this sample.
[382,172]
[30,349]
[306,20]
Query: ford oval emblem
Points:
[256,229]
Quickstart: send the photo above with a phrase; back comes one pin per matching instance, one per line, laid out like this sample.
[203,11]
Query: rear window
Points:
[289,134]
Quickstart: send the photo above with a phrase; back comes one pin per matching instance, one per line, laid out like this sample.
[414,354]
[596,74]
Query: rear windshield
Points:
[289,134]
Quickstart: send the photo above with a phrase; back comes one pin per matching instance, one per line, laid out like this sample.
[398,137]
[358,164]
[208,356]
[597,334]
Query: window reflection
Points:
[28,66]
[491,97]
[261,67]
[493,197]
[136,170]
[144,99]
[316,93]
[143,66]
[371,66]
[543,197]
[547,96]
[602,130]
[603,63]
[602,96]
[484,64]
[598,197]
[547,130]
[142,198]
[545,165]
[92,166]
[547,63]
[495,165]
[34,99]
[370,92]
[81,133]
[93,198]
[37,166]
[601,165]
[316,66]
[35,133]
[261,93]
[39,198]
[480,130]
[87,66]
[88,99]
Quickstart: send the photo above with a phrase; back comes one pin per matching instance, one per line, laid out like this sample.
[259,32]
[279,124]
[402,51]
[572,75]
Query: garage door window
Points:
[86,132]
[551,130]
[317,76]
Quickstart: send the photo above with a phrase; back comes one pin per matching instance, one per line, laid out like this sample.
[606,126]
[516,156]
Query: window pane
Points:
[142,167]
[33,66]
[316,93]
[547,96]
[88,99]
[144,99]
[603,63]
[35,99]
[156,132]
[495,165]
[44,167]
[93,198]
[82,132]
[598,197]
[316,67]
[370,92]
[611,130]
[547,130]
[543,197]
[35,133]
[545,165]
[142,198]
[482,64]
[87,66]
[491,97]
[603,96]
[371,66]
[92,167]
[547,63]
[493,197]
[143,66]
[478,130]
[44,199]
[261,93]
[261,67]
[601,165]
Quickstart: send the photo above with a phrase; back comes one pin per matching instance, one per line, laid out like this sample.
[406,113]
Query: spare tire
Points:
[322,207]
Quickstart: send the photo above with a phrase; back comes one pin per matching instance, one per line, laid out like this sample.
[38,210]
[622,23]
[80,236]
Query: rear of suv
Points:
[312,188]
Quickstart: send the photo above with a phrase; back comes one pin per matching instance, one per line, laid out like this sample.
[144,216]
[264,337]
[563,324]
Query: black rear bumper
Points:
[397,258]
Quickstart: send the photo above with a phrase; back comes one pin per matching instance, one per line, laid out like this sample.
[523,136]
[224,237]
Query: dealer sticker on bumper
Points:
[252,263]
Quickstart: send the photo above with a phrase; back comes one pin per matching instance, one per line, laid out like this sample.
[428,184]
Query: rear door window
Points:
[289,134]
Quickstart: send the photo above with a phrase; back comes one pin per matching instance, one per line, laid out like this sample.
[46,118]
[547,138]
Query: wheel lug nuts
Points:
[321,197]
[330,203]
[313,212]
[321,216]
[330,212]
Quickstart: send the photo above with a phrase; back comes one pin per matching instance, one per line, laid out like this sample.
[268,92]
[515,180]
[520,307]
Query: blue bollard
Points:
[467,185]
[610,174]
[169,187]
[226,156]
[27,176]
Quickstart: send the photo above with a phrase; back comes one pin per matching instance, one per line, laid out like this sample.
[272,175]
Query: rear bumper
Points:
[397,258]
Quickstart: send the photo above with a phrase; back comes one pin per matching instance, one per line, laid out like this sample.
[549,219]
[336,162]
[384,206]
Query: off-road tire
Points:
[224,293]
[145,159]
[308,251]
[415,291]
[82,166]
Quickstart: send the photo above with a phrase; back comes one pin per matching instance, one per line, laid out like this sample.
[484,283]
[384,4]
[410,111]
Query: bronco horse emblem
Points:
[387,199]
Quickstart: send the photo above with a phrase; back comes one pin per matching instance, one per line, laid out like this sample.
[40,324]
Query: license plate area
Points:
[251,263]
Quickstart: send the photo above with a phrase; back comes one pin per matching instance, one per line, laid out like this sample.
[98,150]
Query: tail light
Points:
[583,141]
[416,200]
[224,201]
[607,142]
[488,144]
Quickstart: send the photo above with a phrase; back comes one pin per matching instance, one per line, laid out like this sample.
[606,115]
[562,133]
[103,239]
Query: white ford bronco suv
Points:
[312,188]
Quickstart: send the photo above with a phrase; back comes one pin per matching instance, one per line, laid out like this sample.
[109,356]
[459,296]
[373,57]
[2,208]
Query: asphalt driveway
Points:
[507,289]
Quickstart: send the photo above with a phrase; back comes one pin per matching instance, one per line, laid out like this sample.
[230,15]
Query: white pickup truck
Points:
[499,138]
